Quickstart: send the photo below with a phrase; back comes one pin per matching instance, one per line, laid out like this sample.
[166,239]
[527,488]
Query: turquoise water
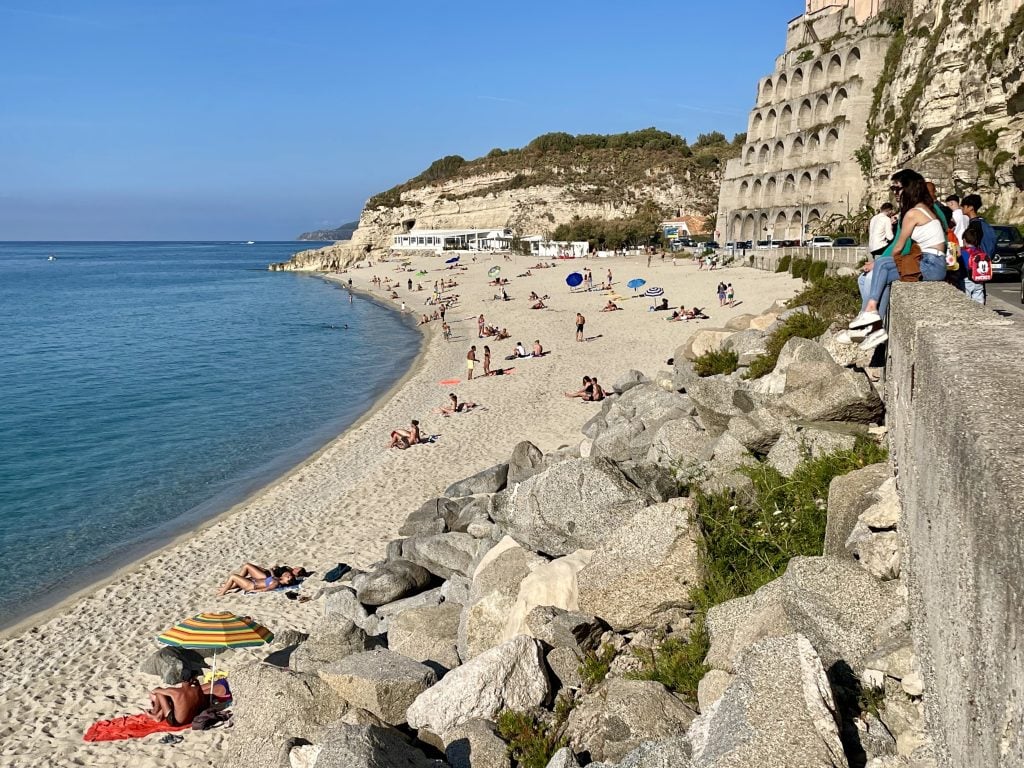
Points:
[144,386]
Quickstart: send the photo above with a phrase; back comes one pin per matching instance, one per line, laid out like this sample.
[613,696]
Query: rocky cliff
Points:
[950,101]
[343,232]
[553,180]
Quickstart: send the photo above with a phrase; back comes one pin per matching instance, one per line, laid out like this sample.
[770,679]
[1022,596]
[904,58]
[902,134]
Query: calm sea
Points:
[145,386]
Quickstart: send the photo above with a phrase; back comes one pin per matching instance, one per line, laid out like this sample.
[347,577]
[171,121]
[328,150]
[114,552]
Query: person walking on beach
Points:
[471,361]
[580,322]
[609,279]
[730,295]
[480,327]
[443,309]
[410,283]
[721,294]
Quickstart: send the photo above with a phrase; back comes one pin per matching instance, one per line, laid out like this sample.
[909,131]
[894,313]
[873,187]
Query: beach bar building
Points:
[439,240]
[557,249]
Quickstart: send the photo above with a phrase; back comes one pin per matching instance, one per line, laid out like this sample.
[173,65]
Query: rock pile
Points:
[539,585]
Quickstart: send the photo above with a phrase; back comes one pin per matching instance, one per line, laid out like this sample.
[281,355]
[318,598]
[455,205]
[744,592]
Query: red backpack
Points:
[979,264]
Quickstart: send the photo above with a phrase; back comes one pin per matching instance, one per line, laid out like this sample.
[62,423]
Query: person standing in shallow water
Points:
[470,362]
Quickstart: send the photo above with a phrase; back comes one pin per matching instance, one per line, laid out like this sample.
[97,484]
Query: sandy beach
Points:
[80,662]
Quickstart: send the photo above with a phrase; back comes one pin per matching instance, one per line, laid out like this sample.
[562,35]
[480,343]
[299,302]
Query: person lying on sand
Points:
[403,438]
[539,305]
[180,704]
[611,306]
[588,388]
[297,571]
[254,579]
[454,406]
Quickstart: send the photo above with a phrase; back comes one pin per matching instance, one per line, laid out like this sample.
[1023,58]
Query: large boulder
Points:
[526,460]
[718,400]
[705,340]
[490,480]
[844,611]
[628,380]
[683,373]
[778,711]
[421,600]
[330,641]
[341,603]
[758,430]
[633,420]
[380,681]
[551,584]
[173,665]
[739,322]
[492,595]
[271,705]
[475,744]
[678,443]
[649,565]
[559,628]
[391,581]
[429,634]
[764,322]
[444,554]
[748,345]
[848,496]
[511,676]
[431,517]
[832,393]
[624,713]
[800,442]
[369,746]
[572,505]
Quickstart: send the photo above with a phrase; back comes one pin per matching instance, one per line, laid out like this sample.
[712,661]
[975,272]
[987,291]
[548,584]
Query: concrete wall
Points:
[768,260]
[955,405]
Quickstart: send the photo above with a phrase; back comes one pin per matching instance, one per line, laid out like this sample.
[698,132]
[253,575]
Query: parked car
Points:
[713,245]
[1009,258]
[821,241]
[844,242]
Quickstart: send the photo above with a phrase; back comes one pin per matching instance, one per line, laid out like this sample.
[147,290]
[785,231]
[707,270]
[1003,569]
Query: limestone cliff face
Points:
[950,101]
[533,191]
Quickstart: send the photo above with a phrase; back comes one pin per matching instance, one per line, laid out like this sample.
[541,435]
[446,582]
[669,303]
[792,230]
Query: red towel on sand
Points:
[129,727]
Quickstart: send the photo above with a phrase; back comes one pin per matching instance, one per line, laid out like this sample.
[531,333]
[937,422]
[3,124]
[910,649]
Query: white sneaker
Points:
[851,337]
[865,319]
[874,339]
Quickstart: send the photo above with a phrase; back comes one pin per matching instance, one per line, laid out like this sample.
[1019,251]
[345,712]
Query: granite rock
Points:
[490,480]
[380,681]
[429,634]
[393,580]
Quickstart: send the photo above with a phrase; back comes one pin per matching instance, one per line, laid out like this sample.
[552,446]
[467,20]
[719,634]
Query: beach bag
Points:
[909,264]
[980,265]
[952,251]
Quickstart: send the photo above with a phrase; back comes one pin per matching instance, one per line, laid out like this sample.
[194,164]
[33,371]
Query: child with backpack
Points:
[976,263]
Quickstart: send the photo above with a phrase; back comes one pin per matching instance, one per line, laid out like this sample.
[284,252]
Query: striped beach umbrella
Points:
[654,291]
[217,631]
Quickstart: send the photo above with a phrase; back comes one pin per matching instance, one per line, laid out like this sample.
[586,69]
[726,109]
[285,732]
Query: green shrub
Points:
[531,742]
[716,361]
[802,325]
[800,267]
[783,263]
[746,544]
[816,271]
[831,298]
[595,665]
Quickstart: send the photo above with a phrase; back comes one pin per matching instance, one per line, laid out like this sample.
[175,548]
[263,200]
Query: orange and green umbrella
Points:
[217,631]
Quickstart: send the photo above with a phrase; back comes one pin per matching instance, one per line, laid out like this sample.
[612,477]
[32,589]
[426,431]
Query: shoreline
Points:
[347,501]
[194,521]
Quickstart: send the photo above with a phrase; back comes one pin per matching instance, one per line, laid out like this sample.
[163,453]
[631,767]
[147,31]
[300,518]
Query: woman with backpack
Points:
[921,247]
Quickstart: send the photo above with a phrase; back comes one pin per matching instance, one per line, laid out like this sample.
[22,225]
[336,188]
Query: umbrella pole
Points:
[213,676]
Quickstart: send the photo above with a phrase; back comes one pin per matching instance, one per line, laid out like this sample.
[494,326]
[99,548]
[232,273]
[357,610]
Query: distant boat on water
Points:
[51,257]
[250,242]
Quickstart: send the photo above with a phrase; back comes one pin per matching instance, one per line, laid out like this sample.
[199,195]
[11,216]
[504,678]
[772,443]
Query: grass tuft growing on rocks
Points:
[595,666]
[746,544]
[716,361]
[801,324]
[531,741]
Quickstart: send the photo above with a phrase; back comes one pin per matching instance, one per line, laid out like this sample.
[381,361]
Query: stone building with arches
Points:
[799,165]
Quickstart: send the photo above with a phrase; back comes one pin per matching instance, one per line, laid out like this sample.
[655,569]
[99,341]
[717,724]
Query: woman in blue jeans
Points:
[922,225]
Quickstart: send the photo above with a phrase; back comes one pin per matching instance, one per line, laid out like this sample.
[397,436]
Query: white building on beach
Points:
[555,249]
[440,240]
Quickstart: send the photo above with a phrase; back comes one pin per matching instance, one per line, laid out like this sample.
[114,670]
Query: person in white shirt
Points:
[960,220]
[880,230]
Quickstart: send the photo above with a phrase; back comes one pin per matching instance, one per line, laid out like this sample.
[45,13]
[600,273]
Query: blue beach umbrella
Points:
[636,282]
[573,279]
[654,291]
[452,260]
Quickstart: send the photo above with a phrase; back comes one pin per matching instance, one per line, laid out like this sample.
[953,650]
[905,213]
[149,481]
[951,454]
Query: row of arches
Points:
[780,225]
[811,76]
[766,191]
[798,115]
[777,152]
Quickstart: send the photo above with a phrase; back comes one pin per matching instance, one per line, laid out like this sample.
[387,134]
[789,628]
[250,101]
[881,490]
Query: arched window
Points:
[755,195]
[798,147]
[786,120]
[789,184]
[751,155]
[766,91]
[770,190]
[769,124]
[805,182]
[814,142]
[779,152]
[744,188]
[781,231]
[817,76]
[756,126]
[806,116]
[839,103]
[831,139]
[824,177]
[763,155]
[796,86]
[821,109]
[781,86]
[852,62]
[835,69]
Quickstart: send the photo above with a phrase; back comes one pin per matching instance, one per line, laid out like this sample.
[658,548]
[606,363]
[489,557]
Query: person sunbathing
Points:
[588,388]
[596,393]
[403,438]
[251,570]
[538,350]
[611,306]
[539,305]
[254,579]
[181,704]
[454,406]
[504,334]
[534,296]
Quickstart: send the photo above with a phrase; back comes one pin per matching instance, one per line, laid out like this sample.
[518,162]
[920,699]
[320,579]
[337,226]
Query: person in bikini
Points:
[454,406]
[254,579]
[588,388]
[596,393]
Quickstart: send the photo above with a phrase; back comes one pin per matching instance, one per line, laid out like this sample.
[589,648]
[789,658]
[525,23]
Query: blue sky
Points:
[261,119]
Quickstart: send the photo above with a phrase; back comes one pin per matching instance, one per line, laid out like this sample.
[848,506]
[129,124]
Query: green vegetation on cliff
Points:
[344,232]
[592,167]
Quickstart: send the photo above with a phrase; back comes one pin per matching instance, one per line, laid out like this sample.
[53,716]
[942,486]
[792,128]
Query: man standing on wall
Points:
[971,206]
